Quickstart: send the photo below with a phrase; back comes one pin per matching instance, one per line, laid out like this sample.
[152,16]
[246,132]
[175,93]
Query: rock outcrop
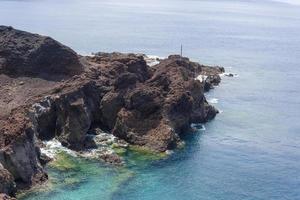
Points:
[7,185]
[23,53]
[19,152]
[119,93]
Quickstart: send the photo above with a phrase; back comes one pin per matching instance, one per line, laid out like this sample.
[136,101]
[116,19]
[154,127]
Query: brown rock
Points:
[7,184]
[23,53]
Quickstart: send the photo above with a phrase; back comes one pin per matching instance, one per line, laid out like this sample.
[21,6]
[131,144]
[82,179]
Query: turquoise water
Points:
[250,151]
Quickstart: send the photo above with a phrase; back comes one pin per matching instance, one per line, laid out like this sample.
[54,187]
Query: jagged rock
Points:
[43,116]
[21,155]
[73,121]
[125,80]
[163,107]
[89,143]
[7,183]
[67,116]
[23,53]
[146,100]
[110,105]
[160,107]
[44,159]
[211,81]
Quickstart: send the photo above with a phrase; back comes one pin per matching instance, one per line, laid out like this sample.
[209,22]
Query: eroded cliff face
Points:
[119,93]
[19,153]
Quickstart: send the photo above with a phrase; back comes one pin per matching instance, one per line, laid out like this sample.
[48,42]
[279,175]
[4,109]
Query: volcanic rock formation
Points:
[119,93]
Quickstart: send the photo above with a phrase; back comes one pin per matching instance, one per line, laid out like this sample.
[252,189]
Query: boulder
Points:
[27,54]
[126,80]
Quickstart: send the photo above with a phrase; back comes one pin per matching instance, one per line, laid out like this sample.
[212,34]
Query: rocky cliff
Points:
[119,93]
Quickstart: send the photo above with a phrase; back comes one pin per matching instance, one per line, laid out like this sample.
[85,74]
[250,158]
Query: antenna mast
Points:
[181,50]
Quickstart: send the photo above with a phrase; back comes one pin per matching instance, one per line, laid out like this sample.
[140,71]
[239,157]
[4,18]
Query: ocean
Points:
[250,151]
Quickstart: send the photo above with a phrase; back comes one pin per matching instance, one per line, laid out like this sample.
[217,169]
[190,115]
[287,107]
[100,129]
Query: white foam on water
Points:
[53,147]
[213,100]
[198,126]
[229,74]
[104,139]
[169,152]
[152,60]
[96,153]
[203,128]
[104,142]
[84,53]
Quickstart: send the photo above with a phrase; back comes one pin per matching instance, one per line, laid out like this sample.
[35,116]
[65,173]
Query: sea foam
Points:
[152,60]
[229,74]
[213,100]
[198,126]
[53,147]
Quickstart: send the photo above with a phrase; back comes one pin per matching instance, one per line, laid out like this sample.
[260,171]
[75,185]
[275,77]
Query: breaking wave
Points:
[53,147]
[152,60]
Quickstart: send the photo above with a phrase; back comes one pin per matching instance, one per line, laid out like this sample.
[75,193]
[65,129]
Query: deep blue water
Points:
[251,150]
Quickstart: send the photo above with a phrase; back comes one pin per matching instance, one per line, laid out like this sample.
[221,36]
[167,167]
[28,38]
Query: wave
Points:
[198,127]
[152,60]
[213,100]
[53,147]
[229,74]
[106,144]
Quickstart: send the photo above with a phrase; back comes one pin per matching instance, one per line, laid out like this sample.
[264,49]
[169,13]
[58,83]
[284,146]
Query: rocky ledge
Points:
[48,91]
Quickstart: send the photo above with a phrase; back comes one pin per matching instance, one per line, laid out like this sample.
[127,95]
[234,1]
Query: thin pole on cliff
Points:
[181,50]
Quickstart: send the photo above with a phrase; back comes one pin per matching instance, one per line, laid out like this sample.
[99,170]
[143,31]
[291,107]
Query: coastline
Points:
[141,105]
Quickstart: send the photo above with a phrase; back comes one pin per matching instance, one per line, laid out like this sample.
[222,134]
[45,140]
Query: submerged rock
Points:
[104,149]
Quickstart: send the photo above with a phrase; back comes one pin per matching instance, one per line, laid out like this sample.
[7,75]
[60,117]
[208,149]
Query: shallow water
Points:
[250,151]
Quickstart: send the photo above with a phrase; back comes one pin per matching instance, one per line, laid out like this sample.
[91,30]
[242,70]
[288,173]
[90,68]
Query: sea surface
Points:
[251,151]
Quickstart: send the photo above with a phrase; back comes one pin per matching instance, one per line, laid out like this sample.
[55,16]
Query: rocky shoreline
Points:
[48,91]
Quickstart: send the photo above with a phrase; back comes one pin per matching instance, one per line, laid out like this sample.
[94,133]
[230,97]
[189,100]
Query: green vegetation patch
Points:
[64,162]
[144,153]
